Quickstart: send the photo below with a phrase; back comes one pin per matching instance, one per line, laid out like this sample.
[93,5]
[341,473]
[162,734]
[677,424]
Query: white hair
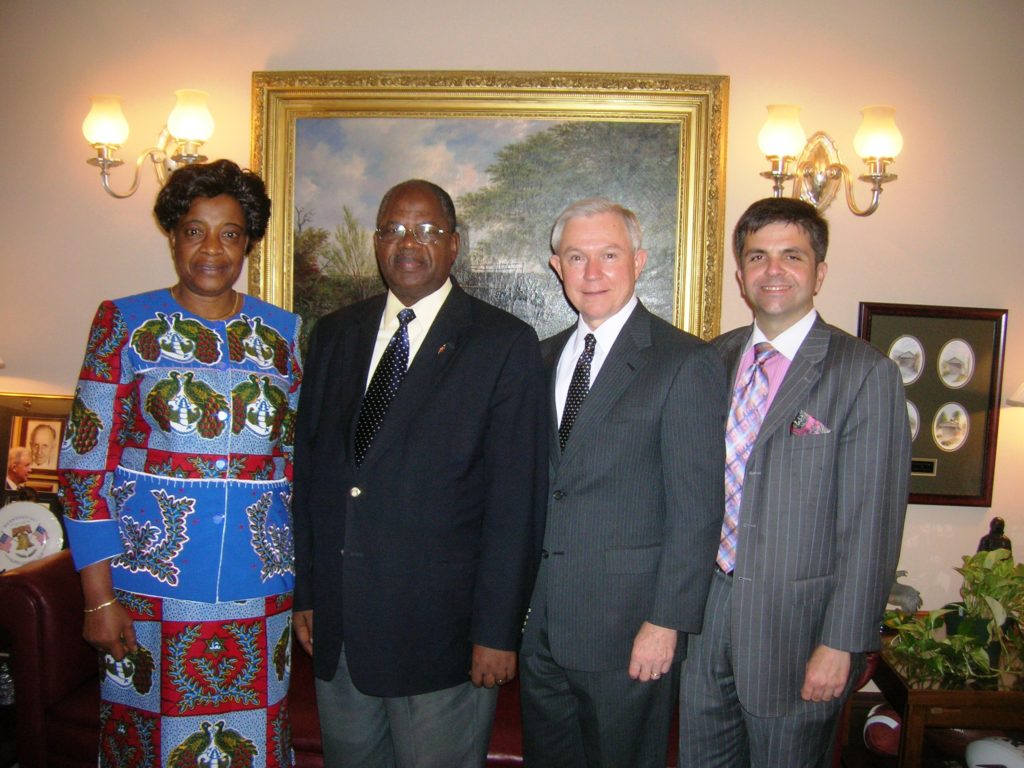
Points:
[19,455]
[595,206]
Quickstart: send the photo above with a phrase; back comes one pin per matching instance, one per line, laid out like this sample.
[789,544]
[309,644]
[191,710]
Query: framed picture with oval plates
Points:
[951,362]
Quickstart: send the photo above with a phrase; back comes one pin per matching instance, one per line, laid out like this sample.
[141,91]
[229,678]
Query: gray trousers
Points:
[450,728]
[575,719]
[715,731]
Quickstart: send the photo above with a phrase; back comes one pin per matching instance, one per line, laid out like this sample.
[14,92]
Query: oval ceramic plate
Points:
[28,531]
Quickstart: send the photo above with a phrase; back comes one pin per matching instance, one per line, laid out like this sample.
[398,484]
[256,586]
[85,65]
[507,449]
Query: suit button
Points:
[355,493]
[559,495]
[544,554]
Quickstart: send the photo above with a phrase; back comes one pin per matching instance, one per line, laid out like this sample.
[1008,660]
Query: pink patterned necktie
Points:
[749,403]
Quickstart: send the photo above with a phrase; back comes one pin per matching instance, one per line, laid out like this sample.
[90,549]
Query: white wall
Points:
[951,68]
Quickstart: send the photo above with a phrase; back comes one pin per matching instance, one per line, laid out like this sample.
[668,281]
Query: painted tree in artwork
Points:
[331,269]
[508,222]
[311,300]
[350,254]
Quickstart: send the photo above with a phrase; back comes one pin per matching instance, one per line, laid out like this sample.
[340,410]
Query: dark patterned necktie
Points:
[383,386]
[578,389]
[749,403]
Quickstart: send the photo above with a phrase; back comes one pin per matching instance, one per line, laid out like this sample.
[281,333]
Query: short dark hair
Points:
[787,210]
[442,197]
[221,177]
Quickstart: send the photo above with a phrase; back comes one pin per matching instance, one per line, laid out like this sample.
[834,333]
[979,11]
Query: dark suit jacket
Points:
[430,545]
[821,518]
[635,507]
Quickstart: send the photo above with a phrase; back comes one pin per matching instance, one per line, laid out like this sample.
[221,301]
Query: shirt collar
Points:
[608,331]
[788,342]
[426,309]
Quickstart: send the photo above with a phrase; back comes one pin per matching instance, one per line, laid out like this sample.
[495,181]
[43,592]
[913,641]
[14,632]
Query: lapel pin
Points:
[442,348]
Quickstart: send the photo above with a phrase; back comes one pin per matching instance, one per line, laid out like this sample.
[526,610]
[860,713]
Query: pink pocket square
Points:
[805,424]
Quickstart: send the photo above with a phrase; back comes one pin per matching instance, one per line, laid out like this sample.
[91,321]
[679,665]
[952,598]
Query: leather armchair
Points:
[55,670]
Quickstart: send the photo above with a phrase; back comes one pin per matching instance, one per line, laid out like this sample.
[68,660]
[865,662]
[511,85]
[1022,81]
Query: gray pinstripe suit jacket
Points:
[635,502]
[821,519]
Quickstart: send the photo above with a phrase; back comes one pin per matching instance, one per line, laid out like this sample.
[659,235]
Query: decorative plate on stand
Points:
[28,531]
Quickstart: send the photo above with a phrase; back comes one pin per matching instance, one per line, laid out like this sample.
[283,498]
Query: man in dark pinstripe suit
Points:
[820,516]
[634,508]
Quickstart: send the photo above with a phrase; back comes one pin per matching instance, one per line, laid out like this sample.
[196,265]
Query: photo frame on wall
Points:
[951,362]
[513,149]
[38,423]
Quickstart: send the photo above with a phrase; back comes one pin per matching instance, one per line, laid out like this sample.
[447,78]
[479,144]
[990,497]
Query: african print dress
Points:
[177,466]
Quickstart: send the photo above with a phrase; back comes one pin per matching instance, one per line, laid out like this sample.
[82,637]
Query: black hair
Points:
[442,197]
[787,210]
[221,177]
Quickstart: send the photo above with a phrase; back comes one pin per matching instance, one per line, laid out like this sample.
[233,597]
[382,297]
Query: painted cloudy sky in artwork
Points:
[354,161]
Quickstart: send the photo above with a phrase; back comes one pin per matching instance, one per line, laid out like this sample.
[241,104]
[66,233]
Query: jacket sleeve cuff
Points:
[93,541]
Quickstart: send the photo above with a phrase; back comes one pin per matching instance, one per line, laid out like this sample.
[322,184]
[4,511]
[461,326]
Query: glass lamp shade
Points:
[190,120]
[878,135]
[105,124]
[782,135]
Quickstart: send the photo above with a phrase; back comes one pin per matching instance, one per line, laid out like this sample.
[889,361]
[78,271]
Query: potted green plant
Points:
[985,642]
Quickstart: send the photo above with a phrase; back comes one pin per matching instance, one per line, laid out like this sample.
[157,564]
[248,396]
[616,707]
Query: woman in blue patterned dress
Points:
[176,479]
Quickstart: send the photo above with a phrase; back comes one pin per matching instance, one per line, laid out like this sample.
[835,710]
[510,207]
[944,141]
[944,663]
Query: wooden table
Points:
[922,707]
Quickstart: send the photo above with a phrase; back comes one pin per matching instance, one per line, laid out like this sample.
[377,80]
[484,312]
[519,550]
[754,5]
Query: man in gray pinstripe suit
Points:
[820,516]
[634,508]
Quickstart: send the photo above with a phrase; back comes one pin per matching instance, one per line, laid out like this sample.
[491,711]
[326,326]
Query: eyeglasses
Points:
[424,234]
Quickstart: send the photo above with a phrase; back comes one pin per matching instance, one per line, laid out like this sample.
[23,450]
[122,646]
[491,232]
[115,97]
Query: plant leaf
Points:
[998,612]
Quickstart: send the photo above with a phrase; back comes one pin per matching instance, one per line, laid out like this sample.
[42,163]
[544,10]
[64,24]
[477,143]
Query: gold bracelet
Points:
[99,607]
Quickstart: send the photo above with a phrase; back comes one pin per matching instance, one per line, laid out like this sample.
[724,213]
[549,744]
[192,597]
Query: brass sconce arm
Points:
[819,171]
[876,176]
[188,126]
[105,160]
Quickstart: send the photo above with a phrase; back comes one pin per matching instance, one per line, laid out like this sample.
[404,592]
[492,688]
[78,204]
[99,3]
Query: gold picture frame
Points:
[692,107]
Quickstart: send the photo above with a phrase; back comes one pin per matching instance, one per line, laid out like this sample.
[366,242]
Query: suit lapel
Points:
[362,335]
[731,349]
[803,373]
[625,359]
[553,349]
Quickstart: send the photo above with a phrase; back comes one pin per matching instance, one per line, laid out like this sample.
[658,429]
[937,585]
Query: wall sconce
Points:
[818,169]
[188,126]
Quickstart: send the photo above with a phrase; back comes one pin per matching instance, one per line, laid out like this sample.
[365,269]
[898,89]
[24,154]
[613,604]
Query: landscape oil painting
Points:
[509,179]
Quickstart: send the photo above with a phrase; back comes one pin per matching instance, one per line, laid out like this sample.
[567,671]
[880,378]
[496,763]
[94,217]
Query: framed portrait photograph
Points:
[512,149]
[951,363]
[35,424]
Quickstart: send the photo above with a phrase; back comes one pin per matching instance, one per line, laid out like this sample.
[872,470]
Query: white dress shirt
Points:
[605,336]
[426,310]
